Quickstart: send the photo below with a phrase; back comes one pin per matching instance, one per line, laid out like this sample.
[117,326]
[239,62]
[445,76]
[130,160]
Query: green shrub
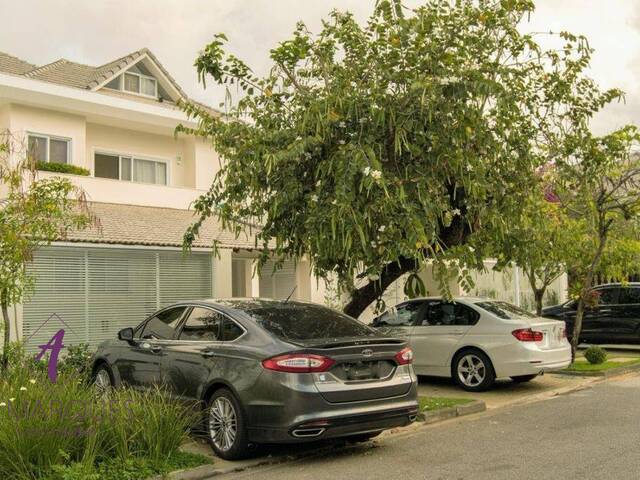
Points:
[595,355]
[77,360]
[45,426]
[62,168]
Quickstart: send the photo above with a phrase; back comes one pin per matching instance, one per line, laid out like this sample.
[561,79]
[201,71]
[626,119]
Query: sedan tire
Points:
[226,426]
[524,378]
[103,380]
[473,371]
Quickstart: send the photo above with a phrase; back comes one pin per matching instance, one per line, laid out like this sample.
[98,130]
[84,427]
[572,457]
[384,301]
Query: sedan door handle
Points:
[156,348]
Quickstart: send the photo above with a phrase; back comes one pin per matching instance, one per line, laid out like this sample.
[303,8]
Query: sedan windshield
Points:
[308,322]
[505,310]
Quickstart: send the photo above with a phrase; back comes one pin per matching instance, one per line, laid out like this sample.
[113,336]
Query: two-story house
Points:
[117,121]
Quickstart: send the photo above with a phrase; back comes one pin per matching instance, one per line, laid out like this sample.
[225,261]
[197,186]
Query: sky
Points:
[97,31]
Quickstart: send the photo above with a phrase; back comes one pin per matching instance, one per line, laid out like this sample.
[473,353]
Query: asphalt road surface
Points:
[589,434]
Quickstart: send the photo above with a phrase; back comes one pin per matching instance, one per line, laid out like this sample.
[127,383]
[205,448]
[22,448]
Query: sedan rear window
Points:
[505,310]
[308,322]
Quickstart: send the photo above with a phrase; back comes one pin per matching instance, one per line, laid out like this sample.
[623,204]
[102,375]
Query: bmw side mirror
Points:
[126,335]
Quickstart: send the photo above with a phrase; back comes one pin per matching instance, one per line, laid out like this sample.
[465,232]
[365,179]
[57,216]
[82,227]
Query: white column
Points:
[516,285]
[303,281]
[222,274]
[255,280]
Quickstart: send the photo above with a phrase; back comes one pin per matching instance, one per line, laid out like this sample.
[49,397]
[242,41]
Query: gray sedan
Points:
[268,371]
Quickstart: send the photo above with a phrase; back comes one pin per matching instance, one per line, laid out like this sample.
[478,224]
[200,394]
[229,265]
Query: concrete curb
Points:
[612,372]
[475,406]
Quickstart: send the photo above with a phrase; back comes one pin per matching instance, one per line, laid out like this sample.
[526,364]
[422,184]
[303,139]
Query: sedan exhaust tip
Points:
[308,432]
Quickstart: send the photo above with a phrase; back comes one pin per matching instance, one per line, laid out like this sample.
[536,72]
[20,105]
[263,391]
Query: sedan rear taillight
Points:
[298,363]
[404,356]
[528,335]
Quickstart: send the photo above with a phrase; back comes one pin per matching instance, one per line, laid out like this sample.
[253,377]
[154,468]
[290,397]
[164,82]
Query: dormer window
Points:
[140,84]
[137,80]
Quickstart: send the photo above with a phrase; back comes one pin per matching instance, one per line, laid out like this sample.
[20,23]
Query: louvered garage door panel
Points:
[59,276]
[184,277]
[280,284]
[122,290]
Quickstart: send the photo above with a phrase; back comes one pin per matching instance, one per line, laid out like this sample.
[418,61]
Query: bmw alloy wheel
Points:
[471,370]
[223,423]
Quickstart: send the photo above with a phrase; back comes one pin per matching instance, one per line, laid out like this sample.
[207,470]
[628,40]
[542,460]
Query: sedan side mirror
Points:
[126,335]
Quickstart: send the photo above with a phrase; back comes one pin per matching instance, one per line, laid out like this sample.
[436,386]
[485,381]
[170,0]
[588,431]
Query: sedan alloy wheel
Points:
[223,424]
[471,370]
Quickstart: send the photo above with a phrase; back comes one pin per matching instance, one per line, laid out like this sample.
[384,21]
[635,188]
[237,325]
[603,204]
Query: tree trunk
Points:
[454,234]
[586,288]
[4,362]
[538,294]
[364,296]
[577,327]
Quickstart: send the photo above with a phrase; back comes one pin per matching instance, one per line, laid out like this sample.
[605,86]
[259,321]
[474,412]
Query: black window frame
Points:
[475,315]
[616,288]
[225,319]
[139,330]
[422,305]
[623,293]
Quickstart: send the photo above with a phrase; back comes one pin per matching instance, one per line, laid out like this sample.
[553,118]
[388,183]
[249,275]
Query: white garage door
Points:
[280,284]
[95,292]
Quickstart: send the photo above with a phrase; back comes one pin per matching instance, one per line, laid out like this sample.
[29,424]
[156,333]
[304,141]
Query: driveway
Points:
[589,434]
[505,392]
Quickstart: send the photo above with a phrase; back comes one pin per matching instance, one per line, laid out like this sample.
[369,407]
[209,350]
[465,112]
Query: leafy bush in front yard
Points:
[47,429]
[62,168]
[595,355]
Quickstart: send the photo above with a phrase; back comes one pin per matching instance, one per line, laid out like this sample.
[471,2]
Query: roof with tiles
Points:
[154,226]
[87,77]
[14,65]
[78,75]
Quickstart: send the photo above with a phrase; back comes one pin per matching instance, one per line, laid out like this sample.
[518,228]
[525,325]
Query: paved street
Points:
[589,434]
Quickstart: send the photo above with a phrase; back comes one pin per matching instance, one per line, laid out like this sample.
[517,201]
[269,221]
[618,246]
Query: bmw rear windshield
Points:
[300,322]
[505,310]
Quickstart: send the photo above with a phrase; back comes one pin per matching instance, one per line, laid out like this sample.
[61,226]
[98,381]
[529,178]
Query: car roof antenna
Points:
[287,299]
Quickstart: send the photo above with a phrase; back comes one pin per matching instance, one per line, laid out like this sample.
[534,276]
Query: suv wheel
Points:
[472,370]
[225,425]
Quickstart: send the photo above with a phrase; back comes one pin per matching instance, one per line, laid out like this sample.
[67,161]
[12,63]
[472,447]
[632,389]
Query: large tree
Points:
[373,149]
[33,213]
[539,241]
[599,187]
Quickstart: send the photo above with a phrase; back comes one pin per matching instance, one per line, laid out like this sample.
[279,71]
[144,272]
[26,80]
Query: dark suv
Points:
[616,319]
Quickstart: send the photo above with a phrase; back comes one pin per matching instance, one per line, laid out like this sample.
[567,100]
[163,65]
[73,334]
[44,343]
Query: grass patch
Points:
[130,469]
[428,404]
[584,366]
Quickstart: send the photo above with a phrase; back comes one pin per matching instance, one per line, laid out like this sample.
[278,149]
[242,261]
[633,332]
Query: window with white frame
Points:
[47,148]
[130,168]
[140,84]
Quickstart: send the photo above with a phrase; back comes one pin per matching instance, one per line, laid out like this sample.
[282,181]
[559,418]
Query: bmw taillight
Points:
[298,363]
[528,335]
[404,356]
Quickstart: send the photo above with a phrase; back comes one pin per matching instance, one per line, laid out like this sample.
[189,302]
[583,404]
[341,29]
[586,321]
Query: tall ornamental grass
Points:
[45,425]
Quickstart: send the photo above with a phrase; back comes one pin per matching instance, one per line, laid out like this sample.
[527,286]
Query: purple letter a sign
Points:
[55,345]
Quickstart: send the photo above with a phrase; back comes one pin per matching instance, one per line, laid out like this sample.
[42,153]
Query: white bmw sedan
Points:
[476,340]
